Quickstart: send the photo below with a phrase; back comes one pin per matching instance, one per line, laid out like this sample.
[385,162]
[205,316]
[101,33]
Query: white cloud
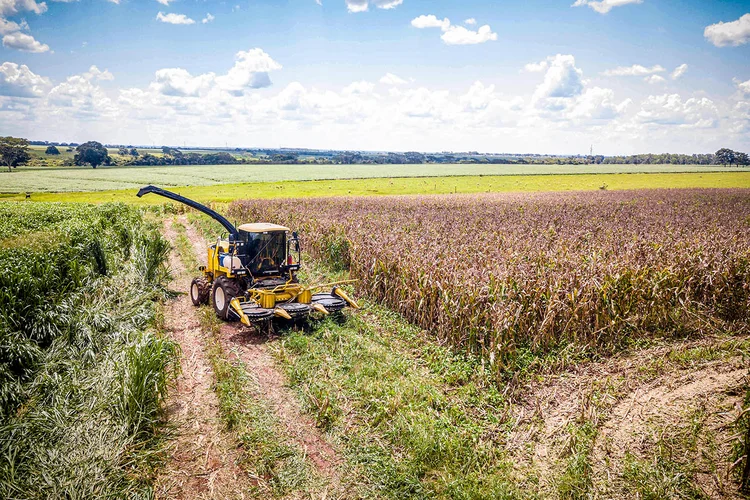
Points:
[562,80]
[391,79]
[536,67]
[173,18]
[604,6]
[430,21]
[23,42]
[363,5]
[452,34]
[179,82]
[250,71]
[95,73]
[732,33]
[208,18]
[165,2]
[653,79]
[19,81]
[670,109]
[743,87]
[634,70]
[79,97]
[13,7]
[597,104]
[13,36]
[679,71]
[471,21]
[458,35]
[361,87]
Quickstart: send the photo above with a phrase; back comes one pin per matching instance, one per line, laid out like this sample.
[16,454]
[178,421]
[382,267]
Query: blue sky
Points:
[516,76]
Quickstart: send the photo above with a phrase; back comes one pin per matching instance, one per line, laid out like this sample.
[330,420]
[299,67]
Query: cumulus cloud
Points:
[12,7]
[363,5]
[430,21]
[670,109]
[19,81]
[165,2]
[208,18]
[471,21]
[361,87]
[173,18]
[654,79]
[634,70]
[452,34]
[536,67]
[743,87]
[391,79]
[23,42]
[733,33]
[604,6]
[12,33]
[562,80]
[250,71]
[458,35]
[679,71]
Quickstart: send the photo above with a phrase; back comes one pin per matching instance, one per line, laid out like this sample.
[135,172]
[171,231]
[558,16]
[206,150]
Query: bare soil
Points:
[629,399]
[202,459]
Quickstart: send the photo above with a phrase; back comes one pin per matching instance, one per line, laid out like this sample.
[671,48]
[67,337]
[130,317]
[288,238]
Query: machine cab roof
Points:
[262,227]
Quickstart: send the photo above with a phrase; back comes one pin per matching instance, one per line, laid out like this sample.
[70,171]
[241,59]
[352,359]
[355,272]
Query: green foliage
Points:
[52,150]
[92,153]
[82,385]
[14,151]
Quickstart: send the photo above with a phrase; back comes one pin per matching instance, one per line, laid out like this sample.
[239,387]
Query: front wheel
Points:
[199,291]
[223,292]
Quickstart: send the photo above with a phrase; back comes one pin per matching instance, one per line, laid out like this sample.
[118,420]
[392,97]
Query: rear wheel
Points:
[199,291]
[223,292]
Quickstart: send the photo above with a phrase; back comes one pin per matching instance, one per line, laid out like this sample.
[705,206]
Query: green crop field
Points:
[58,179]
[415,185]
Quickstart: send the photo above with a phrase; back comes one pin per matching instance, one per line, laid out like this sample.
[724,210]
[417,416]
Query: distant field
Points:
[421,185]
[48,179]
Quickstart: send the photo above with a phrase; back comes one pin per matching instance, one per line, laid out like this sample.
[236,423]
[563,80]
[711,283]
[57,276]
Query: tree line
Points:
[14,151]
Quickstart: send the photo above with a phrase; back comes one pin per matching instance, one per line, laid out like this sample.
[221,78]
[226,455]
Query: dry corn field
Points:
[508,276]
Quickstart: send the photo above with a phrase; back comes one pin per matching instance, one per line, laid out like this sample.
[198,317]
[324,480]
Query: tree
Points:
[52,150]
[122,151]
[91,152]
[14,151]
[134,152]
[725,156]
[742,159]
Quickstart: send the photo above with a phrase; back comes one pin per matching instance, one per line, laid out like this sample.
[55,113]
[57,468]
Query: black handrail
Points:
[176,197]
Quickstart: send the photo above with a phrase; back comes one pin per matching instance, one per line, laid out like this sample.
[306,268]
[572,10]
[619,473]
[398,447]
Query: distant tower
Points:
[591,150]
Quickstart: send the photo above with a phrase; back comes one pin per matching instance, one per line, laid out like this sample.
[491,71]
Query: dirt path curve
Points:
[250,347]
[202,460]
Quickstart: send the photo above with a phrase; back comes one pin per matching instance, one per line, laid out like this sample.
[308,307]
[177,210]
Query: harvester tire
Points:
[222,294]
[200,289]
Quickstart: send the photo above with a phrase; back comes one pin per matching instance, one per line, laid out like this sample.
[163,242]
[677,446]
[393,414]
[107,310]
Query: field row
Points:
[44,180]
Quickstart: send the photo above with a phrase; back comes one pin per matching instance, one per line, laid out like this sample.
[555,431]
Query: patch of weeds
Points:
[669,470]
[412,426]
[575,481]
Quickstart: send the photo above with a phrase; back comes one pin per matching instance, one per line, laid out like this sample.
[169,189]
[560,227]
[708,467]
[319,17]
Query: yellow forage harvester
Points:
[252,275]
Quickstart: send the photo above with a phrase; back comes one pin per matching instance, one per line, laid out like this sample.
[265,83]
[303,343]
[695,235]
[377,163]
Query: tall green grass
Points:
[83,371]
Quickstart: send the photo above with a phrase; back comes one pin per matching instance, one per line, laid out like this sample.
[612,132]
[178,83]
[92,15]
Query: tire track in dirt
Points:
[627,401]
[248,345]
[202,460]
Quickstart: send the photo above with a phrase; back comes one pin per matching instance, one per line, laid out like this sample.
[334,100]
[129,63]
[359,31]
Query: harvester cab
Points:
[251,276]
